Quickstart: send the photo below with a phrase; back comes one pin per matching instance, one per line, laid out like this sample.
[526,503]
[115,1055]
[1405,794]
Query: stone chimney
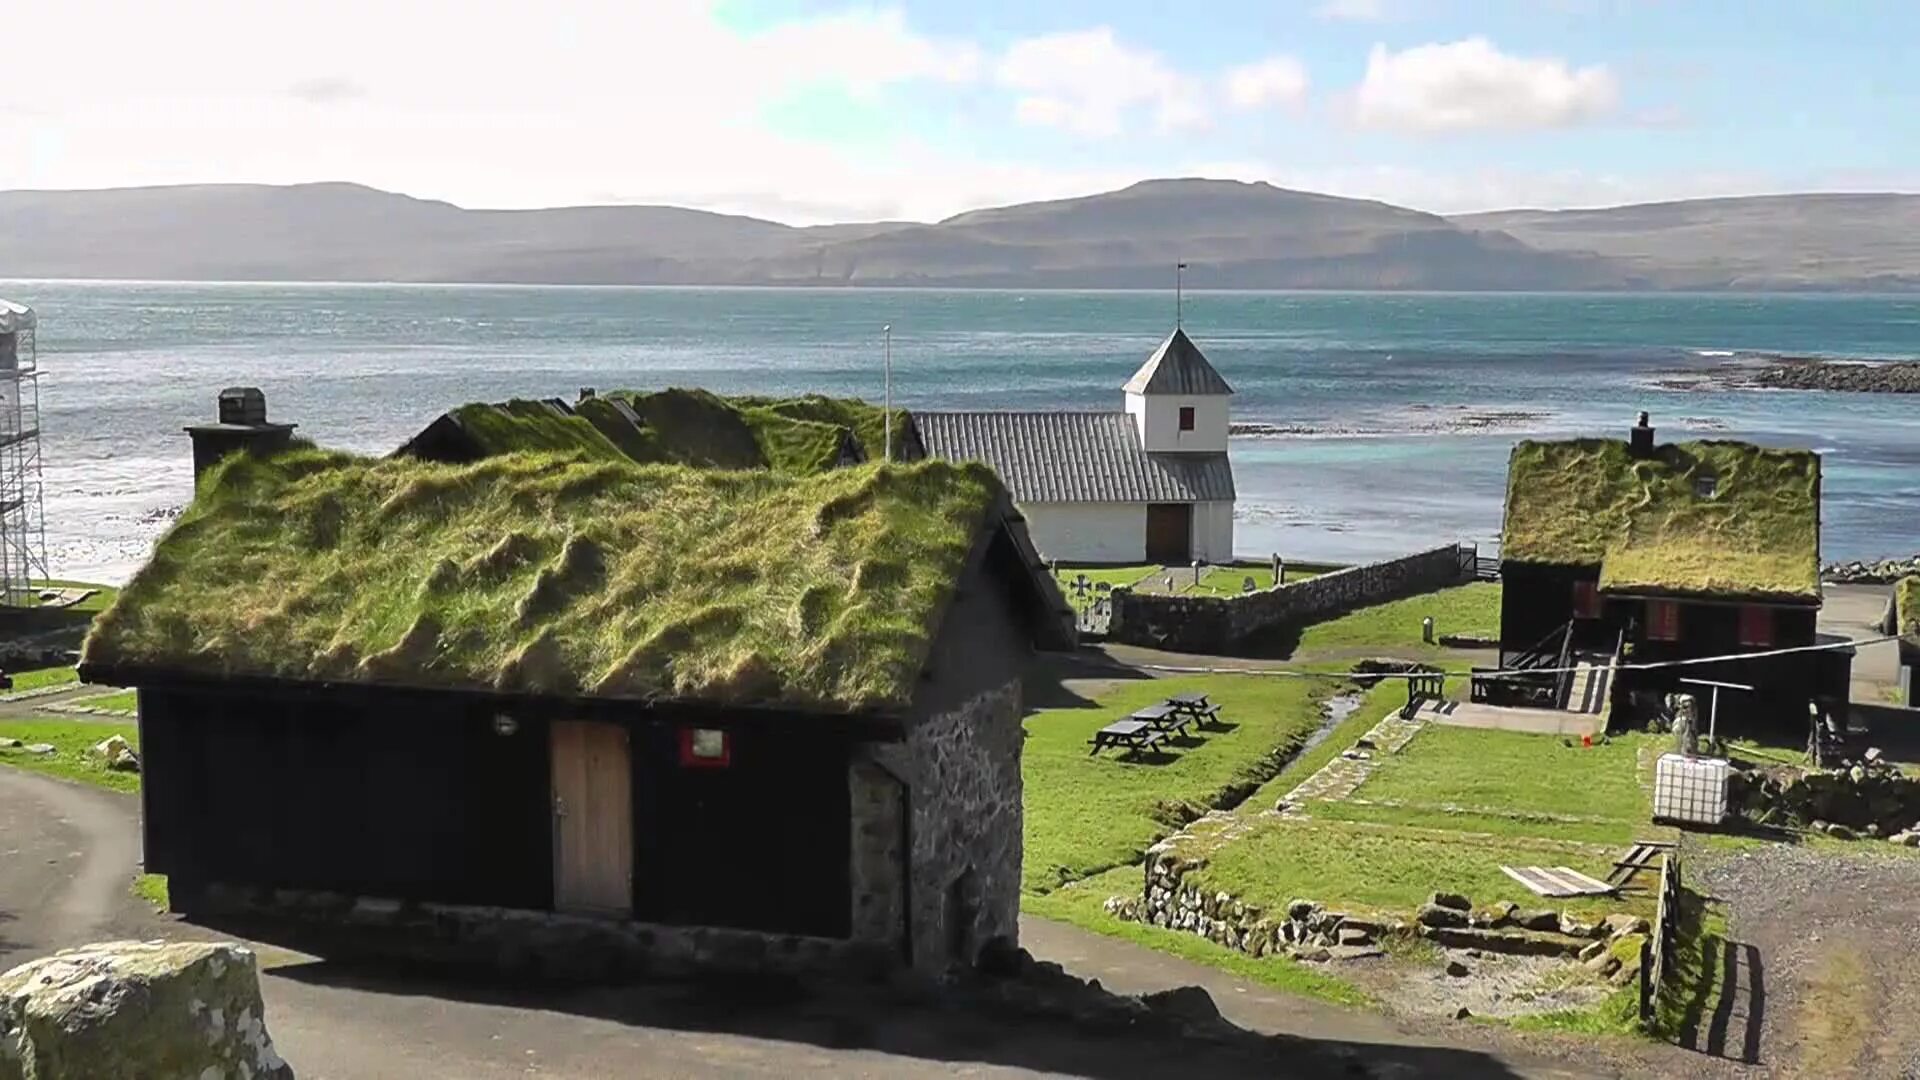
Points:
[243,426]
[1640,438]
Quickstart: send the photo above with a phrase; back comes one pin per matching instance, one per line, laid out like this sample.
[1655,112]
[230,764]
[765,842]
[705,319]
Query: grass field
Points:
[1214,580]
[1085,814]
[1462,610]
[124,701]
[41,678]
[72,759]
[1516,773]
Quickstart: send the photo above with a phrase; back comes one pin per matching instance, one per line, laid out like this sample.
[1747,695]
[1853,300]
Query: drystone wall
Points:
[962,769]
[1215,624]
[879,856]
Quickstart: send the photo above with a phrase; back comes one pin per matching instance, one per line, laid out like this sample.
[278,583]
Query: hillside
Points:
[1232,235]
[1860,242]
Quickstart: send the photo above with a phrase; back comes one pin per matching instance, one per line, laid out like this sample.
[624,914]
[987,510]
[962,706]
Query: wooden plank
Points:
[1538,886]
[1583,884]
[593,818]
[1558,881]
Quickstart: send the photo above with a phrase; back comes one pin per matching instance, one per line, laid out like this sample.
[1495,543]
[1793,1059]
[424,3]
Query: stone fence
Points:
[1216,624]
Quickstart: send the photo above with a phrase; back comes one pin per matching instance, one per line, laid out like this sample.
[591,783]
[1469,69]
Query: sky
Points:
[808,112]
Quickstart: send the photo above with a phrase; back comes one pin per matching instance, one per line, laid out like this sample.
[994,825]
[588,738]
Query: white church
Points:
[1147,483]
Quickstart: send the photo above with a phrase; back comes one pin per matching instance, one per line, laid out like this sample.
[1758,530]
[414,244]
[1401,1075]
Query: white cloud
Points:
[1089,83]
[1470,84]
[1278,80]
[1353,10]
[866,52]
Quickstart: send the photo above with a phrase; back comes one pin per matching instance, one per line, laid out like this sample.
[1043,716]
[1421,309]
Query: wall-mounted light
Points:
[504,724]
[705,748]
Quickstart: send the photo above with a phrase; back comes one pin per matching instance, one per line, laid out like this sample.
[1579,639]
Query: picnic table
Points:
[1195,706]
[1133,735]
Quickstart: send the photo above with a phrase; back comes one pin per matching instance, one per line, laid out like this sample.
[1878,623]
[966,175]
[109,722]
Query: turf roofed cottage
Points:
[1662,552]
[576,713]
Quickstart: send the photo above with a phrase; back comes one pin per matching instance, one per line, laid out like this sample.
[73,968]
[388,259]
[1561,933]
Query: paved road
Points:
[70,851]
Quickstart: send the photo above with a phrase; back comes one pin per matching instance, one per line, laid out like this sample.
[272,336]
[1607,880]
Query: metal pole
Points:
[887,407]
[1179,270]
[1713,721]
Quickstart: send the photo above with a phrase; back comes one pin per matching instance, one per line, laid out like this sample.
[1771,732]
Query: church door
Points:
[1170,533]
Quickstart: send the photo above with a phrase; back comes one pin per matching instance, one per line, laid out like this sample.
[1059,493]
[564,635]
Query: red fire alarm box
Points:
[705,748]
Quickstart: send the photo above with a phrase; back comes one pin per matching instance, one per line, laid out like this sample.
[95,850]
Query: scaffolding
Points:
[23,535]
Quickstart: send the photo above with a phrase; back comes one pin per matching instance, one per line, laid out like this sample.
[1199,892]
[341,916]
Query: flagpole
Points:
[887,406]
[1179,269]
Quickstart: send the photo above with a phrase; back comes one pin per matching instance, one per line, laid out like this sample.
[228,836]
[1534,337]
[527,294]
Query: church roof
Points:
[1075,457]
[1177,367]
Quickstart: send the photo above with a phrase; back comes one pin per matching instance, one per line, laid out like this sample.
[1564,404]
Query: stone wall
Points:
[1212,624]
[534,944]
[962,771]
[878,865]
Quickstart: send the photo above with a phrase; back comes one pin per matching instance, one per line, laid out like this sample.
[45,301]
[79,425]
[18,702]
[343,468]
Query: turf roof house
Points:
[1678,551]
[589,714]
[1149,482]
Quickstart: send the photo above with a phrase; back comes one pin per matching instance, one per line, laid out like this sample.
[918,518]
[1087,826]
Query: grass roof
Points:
[1699,517]
[687,427]
[1906,608]
[557,573]
[867,422]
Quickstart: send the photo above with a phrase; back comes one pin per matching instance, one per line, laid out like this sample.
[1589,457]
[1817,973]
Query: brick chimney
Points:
[1640,439]
[243,425]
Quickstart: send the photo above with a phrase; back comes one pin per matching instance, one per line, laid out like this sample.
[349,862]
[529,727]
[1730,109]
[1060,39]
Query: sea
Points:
[1386,418]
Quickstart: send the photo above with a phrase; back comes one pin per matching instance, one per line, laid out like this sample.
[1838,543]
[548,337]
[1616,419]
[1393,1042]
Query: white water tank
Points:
[1690,790]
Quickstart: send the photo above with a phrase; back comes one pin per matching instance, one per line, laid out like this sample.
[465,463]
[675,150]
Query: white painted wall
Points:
[1157,418]
[1117,532]
[1088,532]
[1213,531]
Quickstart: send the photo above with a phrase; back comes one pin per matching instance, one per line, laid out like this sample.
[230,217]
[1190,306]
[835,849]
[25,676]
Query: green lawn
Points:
[1081,904]
[1214,580]
[40,678]
[124,701]
[1112,575]
[1480,820]
[73,742]
[1395,626]
[1085,814]
[1383,868]
[1515,773]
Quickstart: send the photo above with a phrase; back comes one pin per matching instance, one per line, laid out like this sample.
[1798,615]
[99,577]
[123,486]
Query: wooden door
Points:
[592,818]
[1169,533]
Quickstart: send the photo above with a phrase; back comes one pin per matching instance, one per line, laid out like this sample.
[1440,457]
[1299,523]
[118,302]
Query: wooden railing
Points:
[1657,953]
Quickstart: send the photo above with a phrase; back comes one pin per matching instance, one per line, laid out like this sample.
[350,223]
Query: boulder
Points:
[1592,951]
[1450,900]
[1436,915]
[1574,926]
[1355,935]
[1355,952]
[117,753]
[1302,909]
[1317,954]
[130,1008]
[9,744]
[43,749]
[1535,920]
[1621,924]
[1603,965]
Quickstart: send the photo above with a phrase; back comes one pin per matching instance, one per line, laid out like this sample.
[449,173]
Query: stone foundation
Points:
[536,944]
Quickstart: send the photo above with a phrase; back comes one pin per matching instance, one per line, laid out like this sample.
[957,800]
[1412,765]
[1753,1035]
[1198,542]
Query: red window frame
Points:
[1586,599]
[1663,620]
[1186,418]
[1756,626]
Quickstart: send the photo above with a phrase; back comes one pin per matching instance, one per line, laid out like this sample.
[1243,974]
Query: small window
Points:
[1706,485]
[1186,418]
[1586,600]
[1756,626]
[1663,620]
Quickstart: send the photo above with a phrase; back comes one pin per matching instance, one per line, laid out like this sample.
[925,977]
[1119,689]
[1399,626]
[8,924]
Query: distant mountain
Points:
[1854,242]
[1231,234]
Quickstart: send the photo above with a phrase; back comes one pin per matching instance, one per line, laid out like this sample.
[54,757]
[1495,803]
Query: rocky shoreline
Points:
[1884,572]
[1802,373]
